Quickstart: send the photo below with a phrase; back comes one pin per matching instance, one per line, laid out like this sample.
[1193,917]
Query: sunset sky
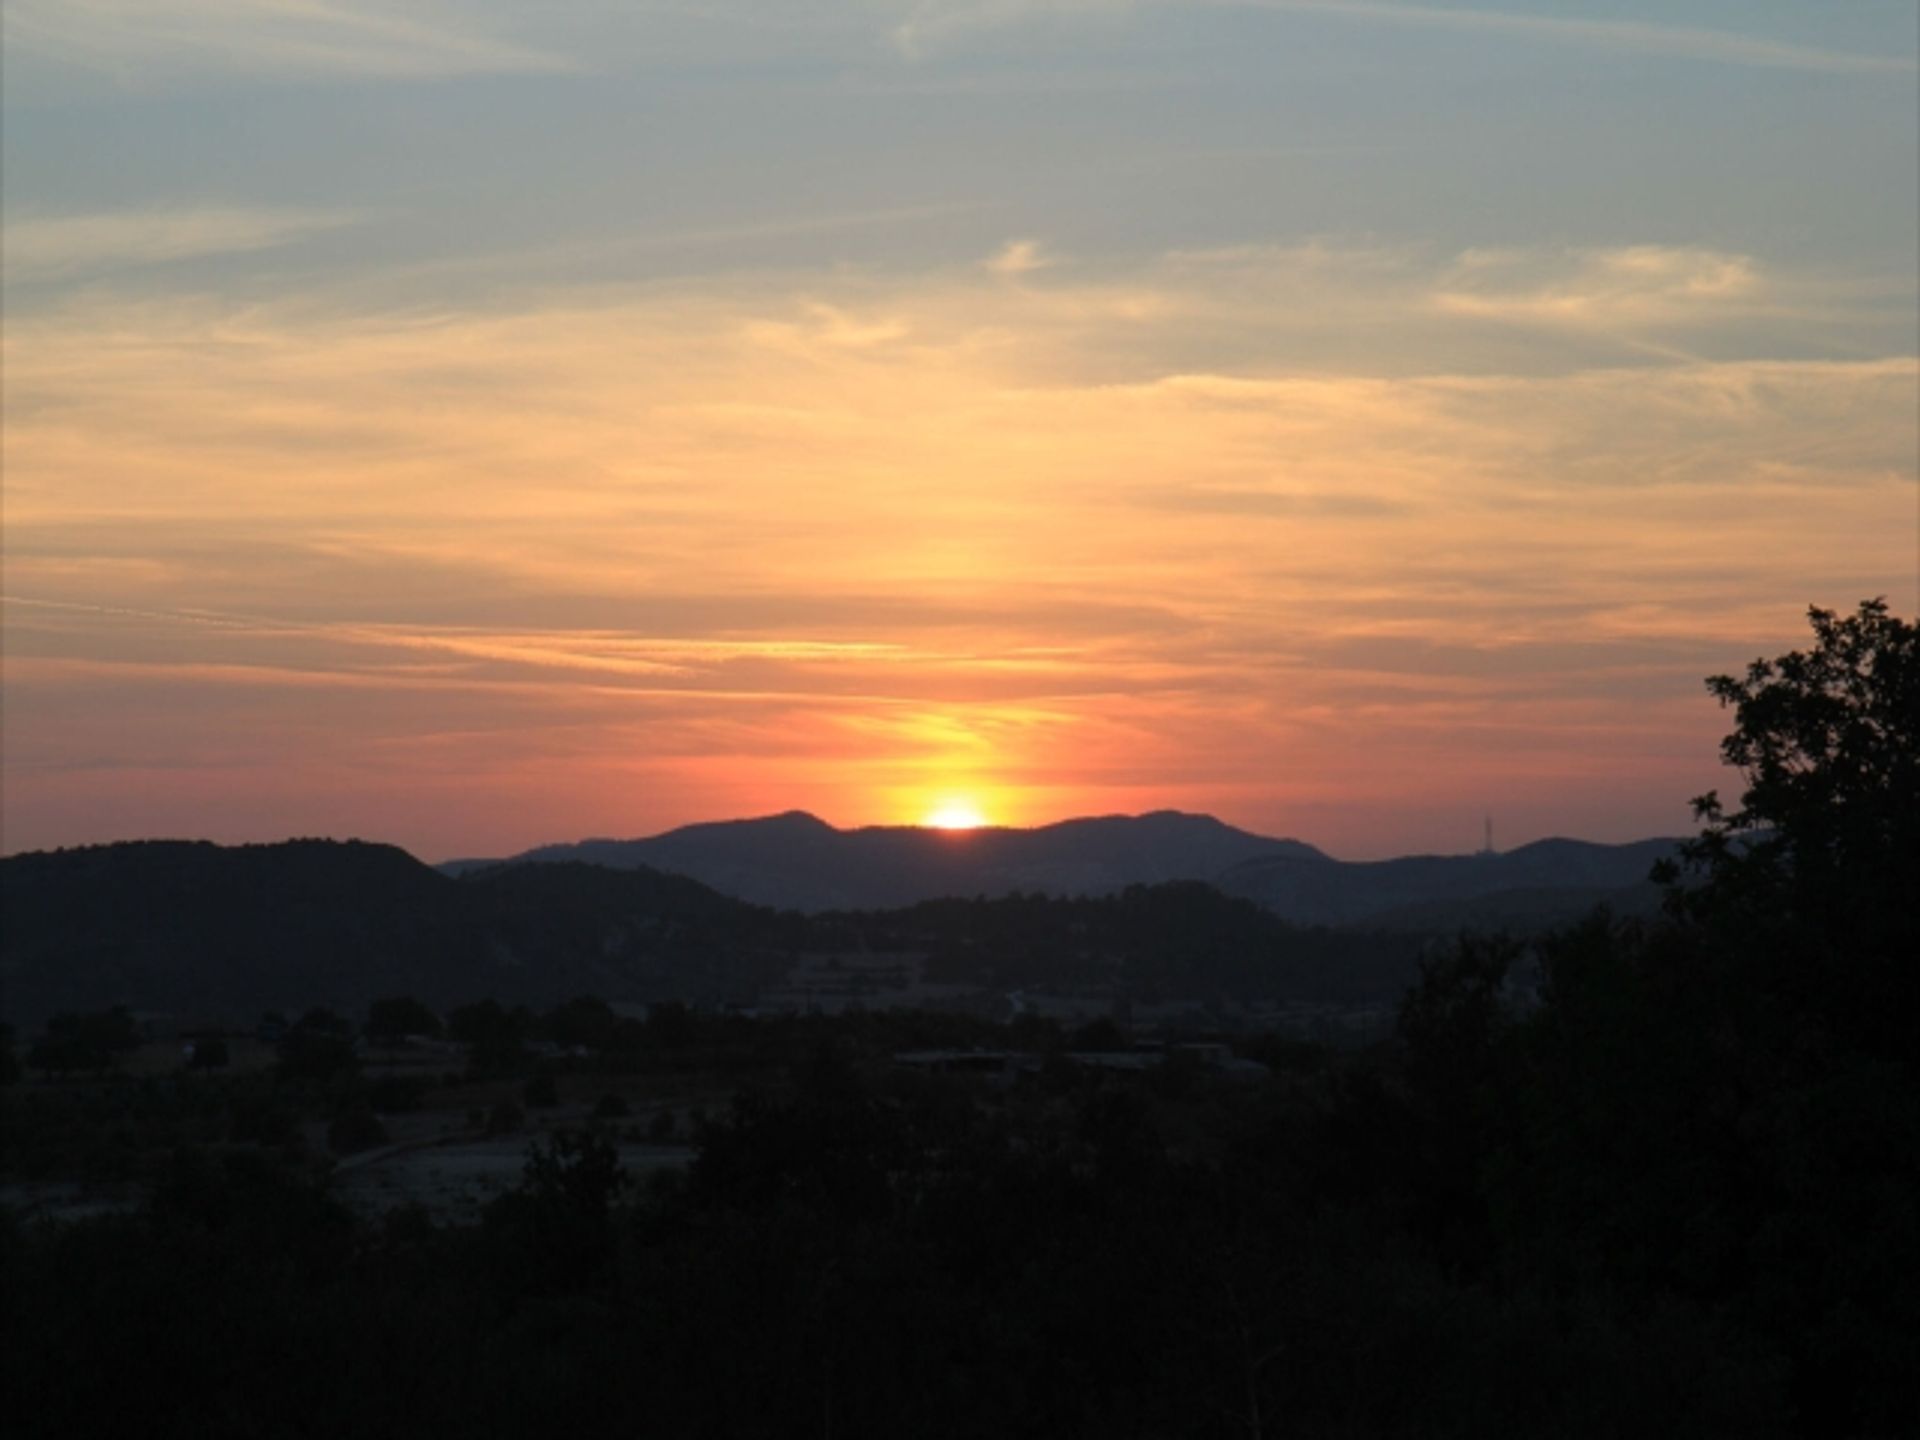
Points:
[472,425]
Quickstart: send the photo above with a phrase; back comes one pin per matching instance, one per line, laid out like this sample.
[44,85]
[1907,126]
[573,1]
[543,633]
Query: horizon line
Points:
[957,833]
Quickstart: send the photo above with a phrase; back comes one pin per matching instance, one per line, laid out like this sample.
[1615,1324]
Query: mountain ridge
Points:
[795,860]
[197,928]
[1445,891]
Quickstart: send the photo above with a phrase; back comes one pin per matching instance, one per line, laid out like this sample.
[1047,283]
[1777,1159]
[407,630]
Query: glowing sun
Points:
[955,815]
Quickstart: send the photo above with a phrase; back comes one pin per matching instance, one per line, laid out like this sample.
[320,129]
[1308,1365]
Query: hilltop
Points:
[797,861]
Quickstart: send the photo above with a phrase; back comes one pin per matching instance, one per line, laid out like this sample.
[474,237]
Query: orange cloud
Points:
[1107,539]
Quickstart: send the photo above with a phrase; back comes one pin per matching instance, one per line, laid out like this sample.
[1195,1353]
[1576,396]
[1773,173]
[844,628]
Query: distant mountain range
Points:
[205,933]
[1540,884]
[796,861]
[1200,908]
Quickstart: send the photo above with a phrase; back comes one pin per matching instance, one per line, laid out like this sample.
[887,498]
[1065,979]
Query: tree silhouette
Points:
[1808,881]
[1825,739]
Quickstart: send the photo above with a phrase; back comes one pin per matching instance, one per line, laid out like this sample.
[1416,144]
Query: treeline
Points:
[320,1085]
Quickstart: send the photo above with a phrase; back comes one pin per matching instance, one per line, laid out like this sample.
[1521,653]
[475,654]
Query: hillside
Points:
[795,861]
[198,929]
[801,863]
[1213,914]
[1545,883]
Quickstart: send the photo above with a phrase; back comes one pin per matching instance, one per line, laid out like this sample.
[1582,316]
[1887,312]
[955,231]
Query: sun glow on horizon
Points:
[955,814]
[394,501]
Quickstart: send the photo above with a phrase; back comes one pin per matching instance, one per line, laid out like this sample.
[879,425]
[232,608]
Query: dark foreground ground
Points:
[1637,1207]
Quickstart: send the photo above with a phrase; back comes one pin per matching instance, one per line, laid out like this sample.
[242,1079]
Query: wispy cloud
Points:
[932,24]
[1112,532]
[58,247]
[137,39]
[141,40]
[1632,285]
[1635,36]
[1017,258]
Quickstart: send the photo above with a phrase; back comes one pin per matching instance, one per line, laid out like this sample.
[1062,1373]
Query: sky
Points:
[474,425]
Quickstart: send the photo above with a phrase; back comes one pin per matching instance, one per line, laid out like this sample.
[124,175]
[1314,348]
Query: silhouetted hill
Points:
[1547,882]
[795,861]
[198,929]
[1180,940]
[638,934]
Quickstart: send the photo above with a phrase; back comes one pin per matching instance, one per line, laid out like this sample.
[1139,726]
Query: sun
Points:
[954,814]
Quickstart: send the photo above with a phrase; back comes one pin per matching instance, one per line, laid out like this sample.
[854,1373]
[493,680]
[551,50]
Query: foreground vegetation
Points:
[1637,1179]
